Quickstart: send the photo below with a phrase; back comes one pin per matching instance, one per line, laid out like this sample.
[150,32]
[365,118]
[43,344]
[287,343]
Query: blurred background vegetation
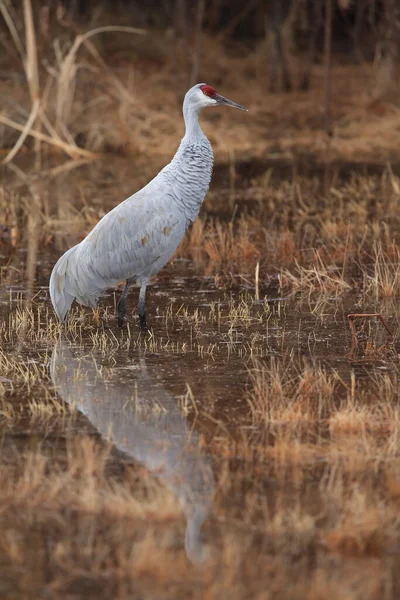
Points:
[86,77]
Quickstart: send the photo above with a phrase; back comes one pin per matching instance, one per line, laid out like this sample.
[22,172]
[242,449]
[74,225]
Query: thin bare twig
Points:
[352,316]
[72,151]
[25,132]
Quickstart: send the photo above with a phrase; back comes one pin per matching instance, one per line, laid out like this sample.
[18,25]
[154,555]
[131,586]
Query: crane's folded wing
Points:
[128,242]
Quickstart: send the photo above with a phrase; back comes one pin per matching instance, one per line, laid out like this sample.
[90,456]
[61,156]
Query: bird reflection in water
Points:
[144,421]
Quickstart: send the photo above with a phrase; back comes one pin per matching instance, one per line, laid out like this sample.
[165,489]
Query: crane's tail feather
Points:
[61,285]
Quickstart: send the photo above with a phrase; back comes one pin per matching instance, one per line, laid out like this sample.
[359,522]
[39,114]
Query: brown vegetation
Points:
[249,337]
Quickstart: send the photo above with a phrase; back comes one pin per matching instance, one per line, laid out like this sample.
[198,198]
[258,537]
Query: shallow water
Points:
[173,403]
[207,337]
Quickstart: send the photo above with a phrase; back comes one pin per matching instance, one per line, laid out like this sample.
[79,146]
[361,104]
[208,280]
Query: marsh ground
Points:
[247,445]
[243,446]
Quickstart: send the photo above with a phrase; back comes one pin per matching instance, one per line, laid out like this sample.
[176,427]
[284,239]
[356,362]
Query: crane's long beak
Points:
[223,100]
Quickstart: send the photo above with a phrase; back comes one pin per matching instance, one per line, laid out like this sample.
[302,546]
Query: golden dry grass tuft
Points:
[280,394]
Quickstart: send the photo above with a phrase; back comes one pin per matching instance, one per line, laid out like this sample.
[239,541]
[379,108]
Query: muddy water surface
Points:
[174,403]
[201,343]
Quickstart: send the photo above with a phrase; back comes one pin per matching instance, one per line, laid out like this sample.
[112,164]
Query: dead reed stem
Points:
[71,150]
[30,61]
[66,79]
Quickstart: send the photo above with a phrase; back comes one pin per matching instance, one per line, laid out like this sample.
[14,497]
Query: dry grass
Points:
[323,279]
[384,281]
[306,488]
[282,395]
[61,77]
[105,89]
[303,438]
[121,533]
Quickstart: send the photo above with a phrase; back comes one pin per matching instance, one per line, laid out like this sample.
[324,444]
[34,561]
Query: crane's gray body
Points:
[138,237]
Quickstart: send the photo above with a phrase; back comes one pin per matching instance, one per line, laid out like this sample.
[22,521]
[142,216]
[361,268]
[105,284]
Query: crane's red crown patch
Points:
[208,90]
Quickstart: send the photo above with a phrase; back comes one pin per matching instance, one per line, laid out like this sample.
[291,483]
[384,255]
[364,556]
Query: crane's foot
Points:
[121,309]
[142,321]
[142,306]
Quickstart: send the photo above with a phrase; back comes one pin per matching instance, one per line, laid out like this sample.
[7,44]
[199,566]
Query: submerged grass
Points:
[305,496]
[252,361]
[309,512]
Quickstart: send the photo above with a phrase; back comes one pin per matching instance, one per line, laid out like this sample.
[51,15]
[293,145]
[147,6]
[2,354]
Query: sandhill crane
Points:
[138,237]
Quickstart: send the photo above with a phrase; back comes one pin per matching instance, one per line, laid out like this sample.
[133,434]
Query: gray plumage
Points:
[139,236]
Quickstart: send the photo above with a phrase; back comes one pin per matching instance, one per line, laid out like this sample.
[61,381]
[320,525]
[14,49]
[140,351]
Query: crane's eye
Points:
[208,90]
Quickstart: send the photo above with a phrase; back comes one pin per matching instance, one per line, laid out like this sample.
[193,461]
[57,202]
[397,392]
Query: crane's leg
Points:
[121,308]
[142,305]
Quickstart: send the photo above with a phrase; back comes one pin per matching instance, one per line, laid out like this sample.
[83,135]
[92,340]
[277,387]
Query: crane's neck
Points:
[188,175]
[194,132]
